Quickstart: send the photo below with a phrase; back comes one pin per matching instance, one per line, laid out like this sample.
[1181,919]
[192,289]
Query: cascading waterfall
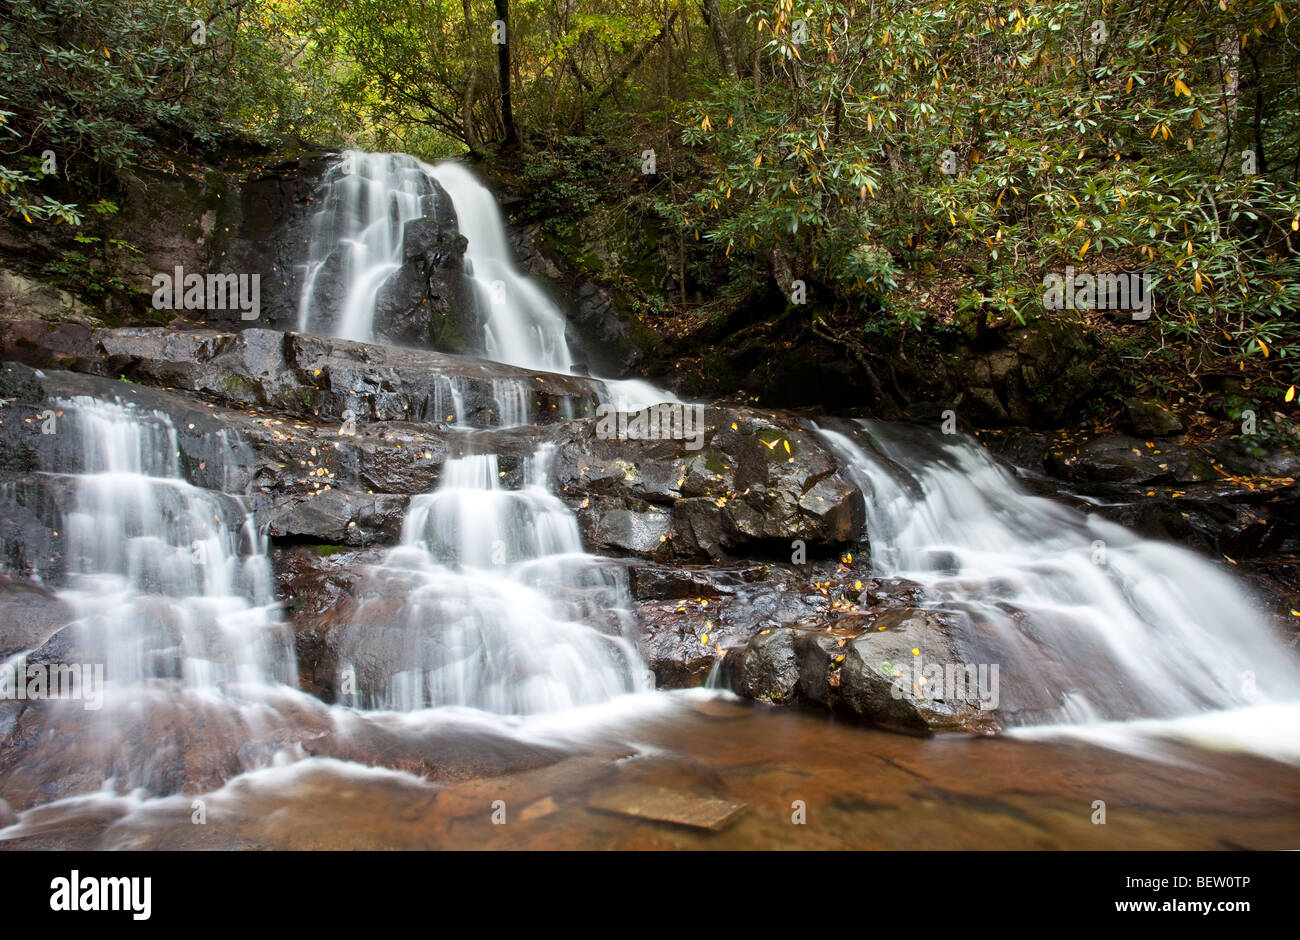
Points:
[169,580]
[357,237]
[521,326]
[500,602]
[357,240]
[500,598]
[1100,622]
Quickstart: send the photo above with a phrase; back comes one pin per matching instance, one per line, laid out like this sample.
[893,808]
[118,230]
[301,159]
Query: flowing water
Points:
[366,202]
[169,580]
[1102,624]
[491,657]
[526,622]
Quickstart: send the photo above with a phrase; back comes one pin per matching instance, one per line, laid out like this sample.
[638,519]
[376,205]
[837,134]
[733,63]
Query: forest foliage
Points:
[911,163]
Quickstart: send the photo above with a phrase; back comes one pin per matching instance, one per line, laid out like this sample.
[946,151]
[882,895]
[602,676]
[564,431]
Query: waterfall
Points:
[521,326]
[1105,624]
[357,237]
[502,610]
[168,580]
[356,244]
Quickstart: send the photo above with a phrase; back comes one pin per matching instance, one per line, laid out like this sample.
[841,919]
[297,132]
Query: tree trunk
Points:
[503,75]
[471,85]
[712,10]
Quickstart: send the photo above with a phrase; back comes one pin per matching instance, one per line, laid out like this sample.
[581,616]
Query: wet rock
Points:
[663,582]
[669,645]
[819,658]
[313,480]
[756,482]
[321,588]
[426,302]
[1119,459]
[639,533]
[1019,447]
[880,682]
[310,377]
[1254,455]
[340,518]
[29,615]
[1150,418]
[663,804]
[688,618]
[766,669]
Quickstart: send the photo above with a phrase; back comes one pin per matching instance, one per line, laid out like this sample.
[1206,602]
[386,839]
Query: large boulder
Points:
[910,671]
[751,481]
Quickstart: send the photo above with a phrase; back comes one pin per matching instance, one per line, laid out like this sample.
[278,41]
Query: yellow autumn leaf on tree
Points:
[1262,346]
[1084,250]
[1290,394]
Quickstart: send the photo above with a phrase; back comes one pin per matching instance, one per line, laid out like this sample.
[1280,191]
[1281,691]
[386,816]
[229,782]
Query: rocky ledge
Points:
[738,547]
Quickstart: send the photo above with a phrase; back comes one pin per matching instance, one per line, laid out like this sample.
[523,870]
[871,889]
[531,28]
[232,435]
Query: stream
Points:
[505,704]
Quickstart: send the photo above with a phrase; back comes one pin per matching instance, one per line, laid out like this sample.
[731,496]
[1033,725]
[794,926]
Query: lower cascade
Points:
[169,580]
[500,608]
[1087,621]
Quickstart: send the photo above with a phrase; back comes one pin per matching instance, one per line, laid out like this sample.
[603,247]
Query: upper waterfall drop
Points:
[357,238]
[358,234]
[521,326]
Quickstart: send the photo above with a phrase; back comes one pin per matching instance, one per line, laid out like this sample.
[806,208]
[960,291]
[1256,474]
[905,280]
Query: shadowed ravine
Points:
[490,653]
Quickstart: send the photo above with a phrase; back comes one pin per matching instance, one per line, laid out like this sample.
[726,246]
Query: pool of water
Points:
[764,778]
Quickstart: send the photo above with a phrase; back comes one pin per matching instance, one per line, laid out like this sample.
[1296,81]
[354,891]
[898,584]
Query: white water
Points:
[366,202]
[358,231]
[498,603]
[1084,616]
[500,609]
[169,580]
[521,326]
